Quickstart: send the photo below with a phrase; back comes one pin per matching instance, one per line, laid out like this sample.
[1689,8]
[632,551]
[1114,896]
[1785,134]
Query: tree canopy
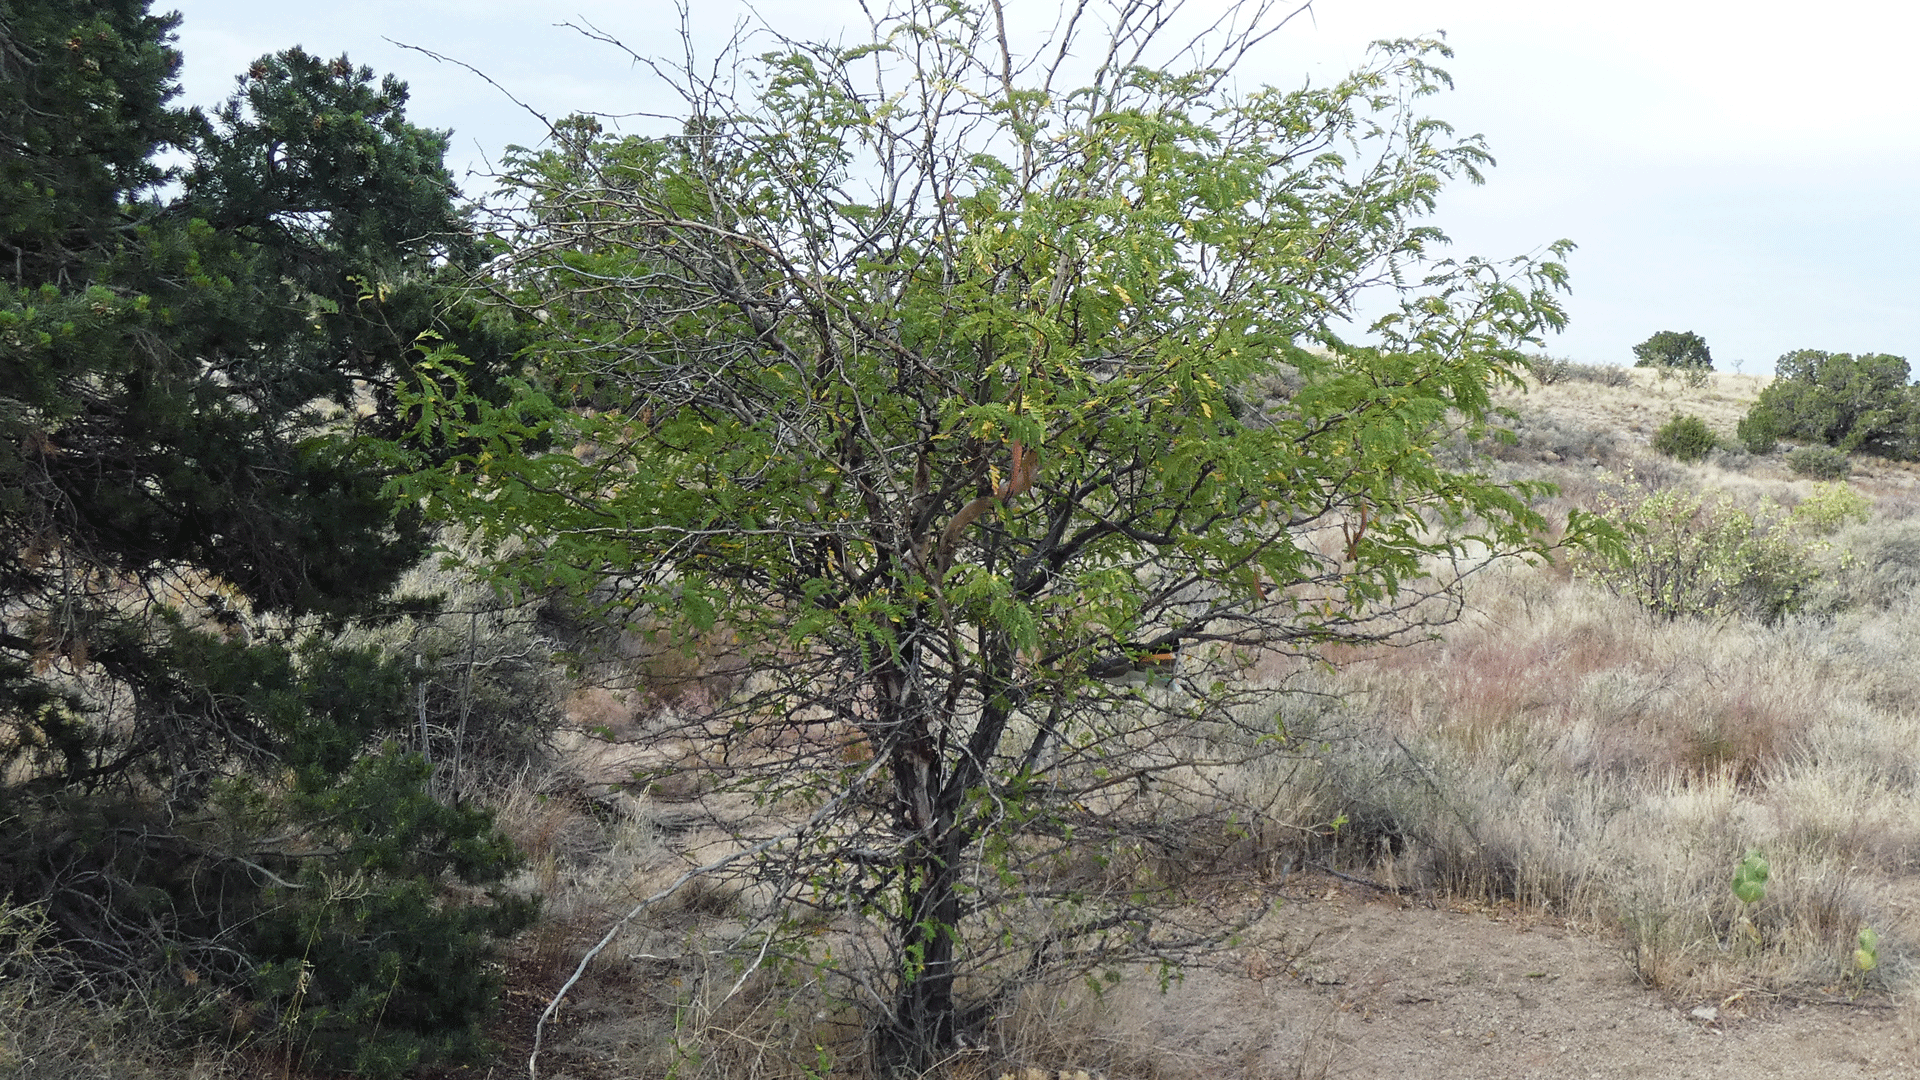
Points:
[999,412]
[1674,349]
[193,355]
[1851,402]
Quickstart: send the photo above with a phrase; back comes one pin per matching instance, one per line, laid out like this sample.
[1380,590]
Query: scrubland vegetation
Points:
[875,584]
[1566,748]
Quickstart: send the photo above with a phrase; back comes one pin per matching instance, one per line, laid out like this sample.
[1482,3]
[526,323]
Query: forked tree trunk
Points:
[927,1019]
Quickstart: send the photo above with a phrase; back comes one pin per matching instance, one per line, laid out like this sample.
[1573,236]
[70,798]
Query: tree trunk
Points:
[925,1021]
[922,1026]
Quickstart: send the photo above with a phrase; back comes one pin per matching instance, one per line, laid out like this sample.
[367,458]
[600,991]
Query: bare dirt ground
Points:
[1354,982]
[1380,986]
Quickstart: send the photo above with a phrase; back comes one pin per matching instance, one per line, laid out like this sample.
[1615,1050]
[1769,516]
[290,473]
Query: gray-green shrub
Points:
[1819,463]
[1551,370]
[1693,556]
[1758,431]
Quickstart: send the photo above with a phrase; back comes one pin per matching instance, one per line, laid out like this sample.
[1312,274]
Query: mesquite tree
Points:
[992,407]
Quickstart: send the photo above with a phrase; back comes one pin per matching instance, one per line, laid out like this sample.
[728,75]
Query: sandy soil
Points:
[1351,982]
[1366,985]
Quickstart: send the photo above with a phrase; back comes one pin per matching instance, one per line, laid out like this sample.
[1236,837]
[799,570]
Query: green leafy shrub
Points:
[1050,558]
[1819,462]
[1758,431]
[1830,507]
[1690,556]
[1684,438]
[1850,402]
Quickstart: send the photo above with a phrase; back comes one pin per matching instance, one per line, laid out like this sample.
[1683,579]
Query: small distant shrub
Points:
[1281,384]
[1732,457]
[1690,556]
[1602,374]
[1551,370]
[1830,507]
[1819,463]
[1684,438]
[1758,431]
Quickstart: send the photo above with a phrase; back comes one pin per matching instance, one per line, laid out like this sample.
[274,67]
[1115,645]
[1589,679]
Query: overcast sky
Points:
[1749,172]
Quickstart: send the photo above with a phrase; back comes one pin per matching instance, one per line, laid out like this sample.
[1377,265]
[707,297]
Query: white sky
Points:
[1750,172]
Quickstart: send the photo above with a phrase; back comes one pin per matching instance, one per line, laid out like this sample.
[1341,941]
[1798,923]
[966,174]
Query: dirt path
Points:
[1367,987]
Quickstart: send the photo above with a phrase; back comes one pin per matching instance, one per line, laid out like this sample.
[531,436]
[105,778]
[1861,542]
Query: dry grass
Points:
[53,1028]
[1635,411]
[1567,750]
[1561,750]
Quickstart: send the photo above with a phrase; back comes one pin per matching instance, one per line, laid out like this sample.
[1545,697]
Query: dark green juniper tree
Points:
[199,787]
[1851,402]
[1671,350]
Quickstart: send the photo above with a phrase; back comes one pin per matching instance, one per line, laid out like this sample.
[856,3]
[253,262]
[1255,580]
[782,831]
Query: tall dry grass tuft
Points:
[55,1026]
